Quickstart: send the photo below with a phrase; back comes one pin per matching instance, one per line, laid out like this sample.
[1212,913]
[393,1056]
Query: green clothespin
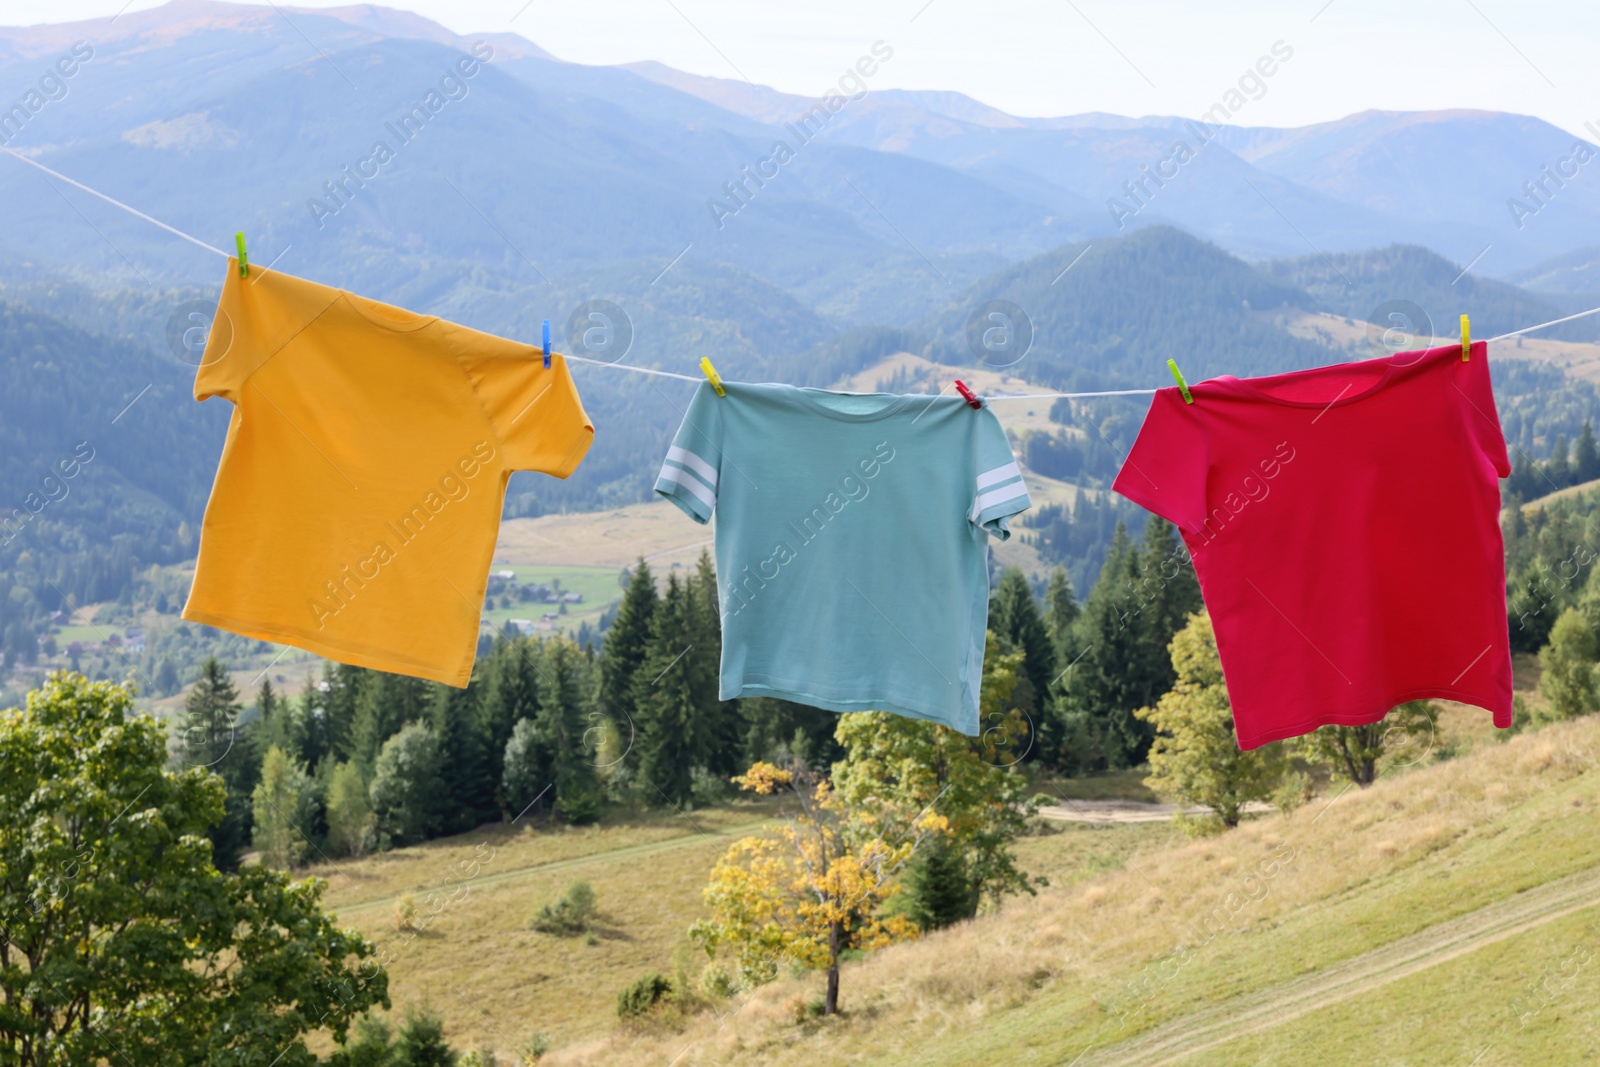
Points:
[244,260]
[1177,375]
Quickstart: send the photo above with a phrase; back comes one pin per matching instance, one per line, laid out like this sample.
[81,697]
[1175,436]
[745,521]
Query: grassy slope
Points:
[1254,936]
[495,981]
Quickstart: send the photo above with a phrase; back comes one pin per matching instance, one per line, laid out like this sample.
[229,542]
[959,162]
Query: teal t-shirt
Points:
[851,540]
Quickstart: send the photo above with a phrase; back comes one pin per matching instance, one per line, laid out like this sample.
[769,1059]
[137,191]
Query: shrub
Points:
[718,981]
[569,916]
[706,787]
[640,998]
[404,916]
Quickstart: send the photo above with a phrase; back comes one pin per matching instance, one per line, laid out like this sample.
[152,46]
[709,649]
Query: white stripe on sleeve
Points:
[999,474]
[1001,495]
[695,463]
[700,492]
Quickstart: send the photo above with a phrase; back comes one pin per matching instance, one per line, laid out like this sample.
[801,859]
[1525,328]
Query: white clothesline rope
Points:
[670,374]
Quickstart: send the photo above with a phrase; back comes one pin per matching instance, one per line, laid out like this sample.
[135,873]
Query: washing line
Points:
[669,374]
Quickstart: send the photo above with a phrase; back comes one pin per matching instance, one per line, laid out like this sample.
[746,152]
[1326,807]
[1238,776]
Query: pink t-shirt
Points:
[1345,526]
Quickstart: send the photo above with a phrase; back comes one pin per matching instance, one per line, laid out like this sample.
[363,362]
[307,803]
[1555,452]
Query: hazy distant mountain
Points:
[219,117]
[1575,272]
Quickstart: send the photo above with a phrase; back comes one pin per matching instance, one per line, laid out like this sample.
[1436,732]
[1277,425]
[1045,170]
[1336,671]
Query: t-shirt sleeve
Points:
[693,466]
[255,318]
[536,413]
[1165,471]
[997,490]
[1483,418]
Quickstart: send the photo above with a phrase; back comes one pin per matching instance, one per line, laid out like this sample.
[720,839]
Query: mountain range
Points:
[532,171]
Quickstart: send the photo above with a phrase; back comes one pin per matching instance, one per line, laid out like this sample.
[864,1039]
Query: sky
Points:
[1063,57]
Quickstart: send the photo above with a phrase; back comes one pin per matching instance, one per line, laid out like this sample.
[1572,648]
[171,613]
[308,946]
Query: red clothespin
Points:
[967,394]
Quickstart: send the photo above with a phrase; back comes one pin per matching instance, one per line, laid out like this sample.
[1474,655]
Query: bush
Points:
[569,916]
[404,916]
[640,998]
[718,981]
[706,787]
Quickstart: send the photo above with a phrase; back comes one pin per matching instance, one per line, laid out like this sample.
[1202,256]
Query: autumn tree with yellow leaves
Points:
[816,888]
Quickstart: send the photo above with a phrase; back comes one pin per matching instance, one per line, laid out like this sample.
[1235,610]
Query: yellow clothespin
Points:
[1177,376]
[1466,340]
[244,260]
[712,375]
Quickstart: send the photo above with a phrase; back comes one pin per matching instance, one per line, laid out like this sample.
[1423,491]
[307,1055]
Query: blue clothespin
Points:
[244,260]
[546,344]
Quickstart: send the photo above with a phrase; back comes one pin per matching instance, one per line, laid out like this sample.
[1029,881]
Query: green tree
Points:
[404,790]
[511,694]
[340,687]
[467,791]
[166,682]
[561,730]
[720,726]
[123,941]
[284,807]
[665,692]
[351,829]
[1103,685]
[525,771]
[1195,758]
[211,737]
[421,1043]
[384,703]
[626,644]
[938,886]
[1015,619]
[1354,752]
[975,785]
[1585,456]
[1568,681]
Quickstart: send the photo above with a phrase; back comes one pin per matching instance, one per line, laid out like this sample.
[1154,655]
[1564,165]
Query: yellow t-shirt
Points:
[358,499]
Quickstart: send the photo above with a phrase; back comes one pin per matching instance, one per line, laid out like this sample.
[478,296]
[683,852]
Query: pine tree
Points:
[1585,456]
[511,694]
[1556,468]
[384,703]
[625,646]
[716,721]
[1060,612]
[561,731]
[421,1043]
[1014,618]
[664,691]
[342,684]
[1102,689]
[211,737]
[466,789]
[938,888]
[278,722]
[317,742]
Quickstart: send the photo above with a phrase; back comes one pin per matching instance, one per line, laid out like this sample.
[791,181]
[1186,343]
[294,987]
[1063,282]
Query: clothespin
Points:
[1466,340]
[244,260]
[546,344]
[1183,386]
[712,376]
[967,394]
